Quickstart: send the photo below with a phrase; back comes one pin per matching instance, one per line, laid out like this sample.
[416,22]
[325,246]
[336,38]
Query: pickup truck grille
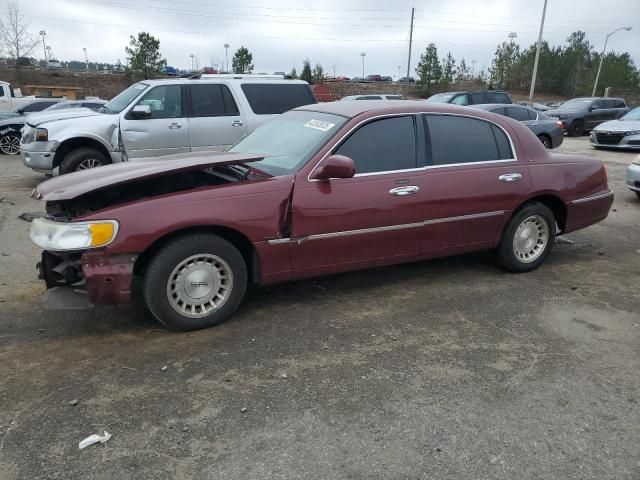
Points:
[609,138]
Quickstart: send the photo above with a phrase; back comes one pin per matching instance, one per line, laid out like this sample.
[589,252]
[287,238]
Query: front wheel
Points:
[576,128]
[82,159]
[10,144]
[527,240]
[195,281]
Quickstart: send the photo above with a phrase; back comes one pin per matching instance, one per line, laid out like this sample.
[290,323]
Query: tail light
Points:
[560,124]
[604,173]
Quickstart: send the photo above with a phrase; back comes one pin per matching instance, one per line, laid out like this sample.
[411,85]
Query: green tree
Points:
[241,62]
[618,70]
[429,71]
[448,71]
[462,73]
[318,74]
[578,61]
[143,55]
[306,72]
[502,68]
[293,74]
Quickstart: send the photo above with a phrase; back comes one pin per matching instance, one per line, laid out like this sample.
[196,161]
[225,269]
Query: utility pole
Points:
[595,85]
[86,60]
[226,52]
[192,57]
[413,10]
[44,45]
[535,63]
[473,68]
[363,55]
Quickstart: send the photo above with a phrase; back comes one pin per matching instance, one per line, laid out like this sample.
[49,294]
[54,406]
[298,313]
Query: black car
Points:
[471,97]
[12,122]
[580,115]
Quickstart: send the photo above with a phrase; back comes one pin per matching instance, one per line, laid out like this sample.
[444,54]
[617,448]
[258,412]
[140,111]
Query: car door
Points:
[164,132]
[215,122]
[524,115]
[596,114]
[371,219]
[473,180]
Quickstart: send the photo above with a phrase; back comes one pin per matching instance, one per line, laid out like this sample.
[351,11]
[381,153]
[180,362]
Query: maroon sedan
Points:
[321,189]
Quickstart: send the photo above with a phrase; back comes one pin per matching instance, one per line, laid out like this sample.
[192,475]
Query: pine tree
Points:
[429,70]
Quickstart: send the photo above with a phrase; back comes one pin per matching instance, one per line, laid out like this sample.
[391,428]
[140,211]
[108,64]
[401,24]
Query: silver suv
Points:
[158,117]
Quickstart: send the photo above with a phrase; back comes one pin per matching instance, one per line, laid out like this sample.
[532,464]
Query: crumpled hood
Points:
[72,185]
[619,126]
[35,119]
[7,115]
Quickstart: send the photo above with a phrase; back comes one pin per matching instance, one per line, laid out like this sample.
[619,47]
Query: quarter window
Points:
[494,97]
[212,100]
[460,100]
[454,139]
[165,101]
[382,145]
[477,98]
[268,99]
[518,113]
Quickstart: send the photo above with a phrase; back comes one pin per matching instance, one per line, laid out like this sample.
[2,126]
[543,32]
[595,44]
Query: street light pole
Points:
[473,68]
[535,63]
[363,55]
[595,85]
[192,57]
[44,45]
[226,53]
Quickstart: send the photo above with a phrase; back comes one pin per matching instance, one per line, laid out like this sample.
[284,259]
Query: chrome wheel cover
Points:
[89,163]
[199,285]
[10,144]
[531,239]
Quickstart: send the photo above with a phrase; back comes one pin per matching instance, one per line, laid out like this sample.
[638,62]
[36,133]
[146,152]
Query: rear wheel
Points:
[576,128]
[10,144]
[195,281]
[527,240]
[545,140]
[82,159]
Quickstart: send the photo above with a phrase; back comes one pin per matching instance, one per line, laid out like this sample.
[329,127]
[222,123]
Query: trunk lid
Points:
[72,185]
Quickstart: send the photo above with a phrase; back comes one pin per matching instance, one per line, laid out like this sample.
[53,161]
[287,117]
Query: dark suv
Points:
[580,115]
[471,97]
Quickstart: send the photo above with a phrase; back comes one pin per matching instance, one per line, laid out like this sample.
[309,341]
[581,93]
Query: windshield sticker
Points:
[320,125]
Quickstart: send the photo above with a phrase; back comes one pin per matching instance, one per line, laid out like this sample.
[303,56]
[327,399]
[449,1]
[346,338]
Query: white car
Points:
[153,118]
[621,133]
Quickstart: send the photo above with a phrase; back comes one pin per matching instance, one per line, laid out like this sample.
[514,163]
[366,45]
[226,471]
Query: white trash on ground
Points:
[90,440]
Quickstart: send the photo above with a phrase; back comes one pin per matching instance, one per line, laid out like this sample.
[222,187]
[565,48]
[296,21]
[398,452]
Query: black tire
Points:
[10,144]
[81,159]
[160,272]
[576,128]
[546,141]
[505,255]
[638,194]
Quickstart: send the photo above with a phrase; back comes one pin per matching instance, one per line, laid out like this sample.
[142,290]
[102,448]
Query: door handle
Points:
[175,125]
[236,123]
[510,177]
[402,191]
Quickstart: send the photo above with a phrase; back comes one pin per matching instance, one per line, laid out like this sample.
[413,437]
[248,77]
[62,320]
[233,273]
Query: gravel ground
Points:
[443,369]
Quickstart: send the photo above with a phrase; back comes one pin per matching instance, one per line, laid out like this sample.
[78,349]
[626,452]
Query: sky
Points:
[282,33]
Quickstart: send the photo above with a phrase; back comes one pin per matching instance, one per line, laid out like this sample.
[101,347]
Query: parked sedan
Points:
[321,189]
[548,130]
[621,133]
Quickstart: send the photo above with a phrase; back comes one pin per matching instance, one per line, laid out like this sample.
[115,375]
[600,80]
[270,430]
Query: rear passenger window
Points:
[382,145]
[453,139]
[477,98]
[609,103]
[620,104]
[597,104]
[212,100]
[493,97]
[268,99]
[517,113]
[460,100]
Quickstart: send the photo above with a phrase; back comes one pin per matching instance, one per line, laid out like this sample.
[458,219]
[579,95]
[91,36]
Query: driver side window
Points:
[165,101]
[460,100]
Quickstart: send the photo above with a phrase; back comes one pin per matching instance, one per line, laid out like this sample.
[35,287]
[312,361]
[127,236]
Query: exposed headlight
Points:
[61,236]
[41,135]
[628,134]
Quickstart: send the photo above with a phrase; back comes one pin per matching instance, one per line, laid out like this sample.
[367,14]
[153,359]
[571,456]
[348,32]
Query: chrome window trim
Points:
[591,198]
[417,169]
[386,228]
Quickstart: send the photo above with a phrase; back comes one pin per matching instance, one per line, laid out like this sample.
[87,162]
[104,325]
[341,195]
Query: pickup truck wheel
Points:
[545,140]
[576,128]
[527,240]
[196,281]
[10,144]
[82,159]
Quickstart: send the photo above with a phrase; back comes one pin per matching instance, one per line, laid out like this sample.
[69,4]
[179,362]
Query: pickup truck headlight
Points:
[62,236]
[628,134]
[42,135]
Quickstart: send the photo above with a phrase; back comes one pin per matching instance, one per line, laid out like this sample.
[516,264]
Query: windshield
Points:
[440,98]
[577,104]
[63,105]
[289,141]
[632,115]
[124,98]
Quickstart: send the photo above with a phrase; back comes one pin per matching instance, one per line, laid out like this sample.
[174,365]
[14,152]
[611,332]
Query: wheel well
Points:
[553,203]
[73,143]
[237,239]
[545,135]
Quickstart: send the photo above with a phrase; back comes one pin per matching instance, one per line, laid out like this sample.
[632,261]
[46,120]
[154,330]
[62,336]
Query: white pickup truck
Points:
[8,99]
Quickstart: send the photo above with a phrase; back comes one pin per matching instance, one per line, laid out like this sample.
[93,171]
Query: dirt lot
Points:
[442,369]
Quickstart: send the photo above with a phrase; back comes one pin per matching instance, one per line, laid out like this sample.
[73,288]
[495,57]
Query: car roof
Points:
[221,78]
[353,109]
[487,106]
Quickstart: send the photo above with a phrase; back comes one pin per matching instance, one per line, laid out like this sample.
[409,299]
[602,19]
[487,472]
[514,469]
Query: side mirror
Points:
[141,111]
[335,166]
